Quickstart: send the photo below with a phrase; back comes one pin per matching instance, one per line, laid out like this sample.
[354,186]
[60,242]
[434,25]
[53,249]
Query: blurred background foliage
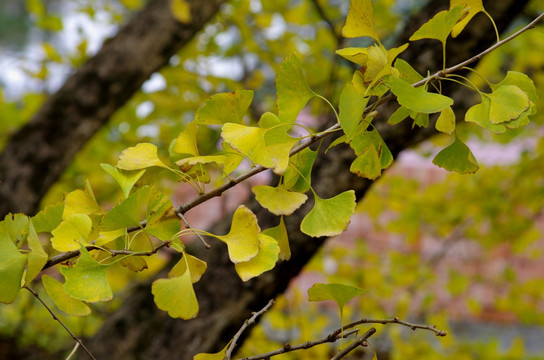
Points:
[457,251]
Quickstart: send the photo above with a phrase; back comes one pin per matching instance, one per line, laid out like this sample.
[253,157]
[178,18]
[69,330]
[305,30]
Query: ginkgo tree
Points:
[88,240]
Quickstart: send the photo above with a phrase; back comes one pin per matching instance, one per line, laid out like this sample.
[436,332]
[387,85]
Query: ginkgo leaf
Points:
[356,55]
[63,301]
[37,257]
[399,115]
[197,267]
[507,103]
[360,20]
[105,237]
[352,106]
[292,89]
[339,293]
[367,165]
[298,176]
[48,218]
[479,114]
[363,141]
[234,158]
[243,238]
[278,145]
[472,7]
[279,233]
[525,83]
[80,202]
[216,356]
[70,232]
[440,26]
[265,259]
[16,226]
[205,159]
[457,157]
[134,263]
[224,107]
[278,200]
[125,180]
[12,266]
[418,99]
[407,72]
[446,121]
[185,143]
[329,217]
[139,157]
[249,141]
[181,10]
[86,280]
[176,296]
[166,229]
[127,213]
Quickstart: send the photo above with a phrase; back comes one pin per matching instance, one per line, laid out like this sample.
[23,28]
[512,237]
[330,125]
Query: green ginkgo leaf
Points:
[63,301]
[399,115]
[12,266]
[278,145]
[224,107]
[127,213]
[361,144]
[185,143]
[48,218]
[418,99]
[80,202]
[352,106]
[86,280]
[457,157]
[472,7]
[72,231]
[279,233]
[176,296]
[508,102]
[479,114]
[234,158]
[446,121]
[367,165]
[134,263]
[339,293]
[292,90]
[16,226]
[298,176]
[360,20]
[278,200]
[440,26]
[220,160]
[329,217]
[243,238]
[37,257]
[197,267]
[407,72]
[139,157]
[126,180]
[265,259]
[525,83]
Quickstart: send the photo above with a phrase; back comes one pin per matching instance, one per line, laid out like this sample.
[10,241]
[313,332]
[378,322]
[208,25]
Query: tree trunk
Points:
[137,330]
[39,152]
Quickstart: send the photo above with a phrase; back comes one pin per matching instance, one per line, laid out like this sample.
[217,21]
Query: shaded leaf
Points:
[185,144]
[176,296]
[352,106]
[446,121]
[440,26]
[418,99]
[507,103]
[278,200]
[367,165]
[37,257]
[12,266]
[339,293]
[216,356]
[224,107]
[329,217]
[457,157]
[125,180]
[134,263]
[63,301]
[299,180]
[279,233]
[48,218]
[181,10]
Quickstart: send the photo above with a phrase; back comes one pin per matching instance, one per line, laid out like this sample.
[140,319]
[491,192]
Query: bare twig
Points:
[360,341]
[72,352]
[182,217]
[397,321]
[183,208]
[248,322]
[76,339]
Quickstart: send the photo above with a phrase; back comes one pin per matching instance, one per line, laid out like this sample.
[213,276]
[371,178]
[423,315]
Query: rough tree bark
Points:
[39,152]
[139,331]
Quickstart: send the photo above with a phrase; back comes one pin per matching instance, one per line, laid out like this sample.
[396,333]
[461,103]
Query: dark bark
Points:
[39,152]
[139,331]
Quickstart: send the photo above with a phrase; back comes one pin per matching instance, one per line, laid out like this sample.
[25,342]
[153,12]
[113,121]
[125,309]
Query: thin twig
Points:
[248,322]
[76,339]
[182,217]
[72,352]
[183,208]
[332,337]
[360,341]
[397,321]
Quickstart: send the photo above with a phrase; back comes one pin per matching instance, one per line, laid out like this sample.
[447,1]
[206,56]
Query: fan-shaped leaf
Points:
[139,157]
[279,233]
[243,238]
[360,20]
[63,301]
[264,260]
[224,107]
[418,99]
[329,217]
[457,157]
[70,232]
[278,200]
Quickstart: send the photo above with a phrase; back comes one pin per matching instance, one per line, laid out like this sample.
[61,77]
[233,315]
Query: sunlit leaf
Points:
[279,233]
[249,141]
[292,90]
[339,293]
[70,232]
[216,356]
[360,20]
[479,114]
[367,165]
[329,217]
[126,180]
[507,103]
[220,160]
[86,280]
[80,202]
[63,301]
[278,145]
[352,106]
[278,200]
[139,157]
[181,10]
[457,157]
[265,259]
[242,240]
[418,99]
[472,7]
[185,144]
[176,296]
[197,267]
[407,72]
[440,26]
[224,107]
[446,121]
[12,266]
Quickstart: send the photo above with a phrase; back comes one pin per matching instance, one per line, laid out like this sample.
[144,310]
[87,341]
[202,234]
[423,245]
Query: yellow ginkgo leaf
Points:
[472,6]
[243,238]
[278,200]
[138,157]
[264,261]
[360,20]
